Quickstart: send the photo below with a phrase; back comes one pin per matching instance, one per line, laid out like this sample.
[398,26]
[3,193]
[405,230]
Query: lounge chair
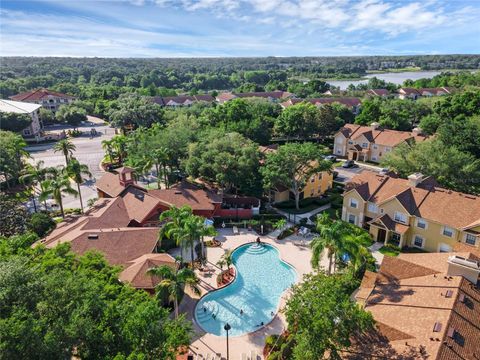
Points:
[235,230]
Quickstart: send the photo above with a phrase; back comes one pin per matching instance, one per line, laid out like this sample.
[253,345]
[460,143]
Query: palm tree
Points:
[119,143]
[107,145]
[75,171]
[31,176]
[56,187]
[66,147]
[161,157]
[192,230]
[173,282]
[330,238]
[228,259]
[173,227]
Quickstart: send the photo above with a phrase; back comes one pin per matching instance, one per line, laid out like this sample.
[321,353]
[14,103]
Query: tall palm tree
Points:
[173,282]
[107,145]
[31,177]
[330,238]
[119,143]
[161,158]
[207,230]
[66,147]
[75,171]
[174,219]
[193,229]
[55,188]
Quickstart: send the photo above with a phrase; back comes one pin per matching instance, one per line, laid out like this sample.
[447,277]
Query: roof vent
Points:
[461,298]
[177,192]
[437,327]
[92,236]
[449,294]
[415,179]
[451,332]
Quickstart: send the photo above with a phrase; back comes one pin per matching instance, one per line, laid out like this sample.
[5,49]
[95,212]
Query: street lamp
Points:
[227,328]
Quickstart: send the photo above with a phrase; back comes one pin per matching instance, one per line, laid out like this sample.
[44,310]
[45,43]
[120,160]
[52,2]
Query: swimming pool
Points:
[261,279]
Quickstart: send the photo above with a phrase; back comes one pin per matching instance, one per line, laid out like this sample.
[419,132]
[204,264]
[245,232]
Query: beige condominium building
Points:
[413,212]
[371,143]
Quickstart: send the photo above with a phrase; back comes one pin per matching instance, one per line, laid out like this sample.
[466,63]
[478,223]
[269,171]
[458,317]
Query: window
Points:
[375,147]
[350,142]
[352,218]
[374,158]
[312,192]
[400,217]
[396,238]
[447,231]
[422,224]
[470,239]
[387,149]
[365,145]
[353,203]
[26,132]
[372,207]
[312,179]
[418,241]
[339,151]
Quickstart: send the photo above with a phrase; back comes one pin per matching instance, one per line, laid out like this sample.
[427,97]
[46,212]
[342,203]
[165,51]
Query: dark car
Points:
[349,164]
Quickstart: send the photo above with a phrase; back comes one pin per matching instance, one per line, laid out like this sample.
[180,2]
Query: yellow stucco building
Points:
[315,186]
[414,212]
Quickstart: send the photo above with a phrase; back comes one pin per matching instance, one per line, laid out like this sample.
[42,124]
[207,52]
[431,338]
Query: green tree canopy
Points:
[292,165]
[228,159]
[322,317]
[451,167]
[134,110]
[56,305]
[14,122]
[12,155]
[71,114]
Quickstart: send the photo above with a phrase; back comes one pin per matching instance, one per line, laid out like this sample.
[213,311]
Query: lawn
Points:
[302,210]
[389,251]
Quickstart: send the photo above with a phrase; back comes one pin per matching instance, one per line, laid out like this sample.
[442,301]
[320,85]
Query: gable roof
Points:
[182,99]
[378,136]
[17,107]
[109,184]
[185,193]
[427,200]
[136,272]
[378,92]
[407,298]
[347,101]
[39,94]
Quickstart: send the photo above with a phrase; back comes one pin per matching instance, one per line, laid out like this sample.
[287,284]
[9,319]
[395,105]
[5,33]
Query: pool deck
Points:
[294,250]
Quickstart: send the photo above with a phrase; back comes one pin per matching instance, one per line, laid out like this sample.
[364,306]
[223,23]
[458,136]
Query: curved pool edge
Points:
[194,317]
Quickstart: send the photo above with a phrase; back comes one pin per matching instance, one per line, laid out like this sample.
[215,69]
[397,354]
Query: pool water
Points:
[261,279]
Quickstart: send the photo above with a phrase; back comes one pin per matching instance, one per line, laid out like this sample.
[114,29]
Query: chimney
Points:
[374,125]
[460,266]
[415,179]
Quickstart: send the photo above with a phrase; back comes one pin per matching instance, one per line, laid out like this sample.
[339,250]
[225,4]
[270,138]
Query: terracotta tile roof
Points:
[139,203]
[185,193]
[226,96]
[378,92]
[38,94]
[426,200]
[409,297]
[136,272]
[408,91]
[109,183]
[390,224]
[119,246]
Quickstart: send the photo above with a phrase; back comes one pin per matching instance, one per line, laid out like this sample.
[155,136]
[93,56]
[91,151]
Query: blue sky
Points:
[171,28]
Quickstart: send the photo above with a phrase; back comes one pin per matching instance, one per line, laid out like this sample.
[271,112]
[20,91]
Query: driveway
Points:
[89,152]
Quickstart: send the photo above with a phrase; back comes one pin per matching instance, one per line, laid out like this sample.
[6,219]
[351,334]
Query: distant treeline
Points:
[204,74]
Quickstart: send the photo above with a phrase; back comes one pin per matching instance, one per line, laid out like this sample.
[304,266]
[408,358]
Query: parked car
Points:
[331,158]
[384,171]
[349,164]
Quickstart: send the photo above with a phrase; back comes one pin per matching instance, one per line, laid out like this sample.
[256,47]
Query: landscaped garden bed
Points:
[225,277]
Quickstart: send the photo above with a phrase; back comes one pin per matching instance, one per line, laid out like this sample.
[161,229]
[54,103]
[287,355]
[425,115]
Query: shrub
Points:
[41,223]
[285,233]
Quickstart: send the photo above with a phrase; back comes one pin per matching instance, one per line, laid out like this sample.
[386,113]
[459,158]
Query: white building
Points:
[17,107]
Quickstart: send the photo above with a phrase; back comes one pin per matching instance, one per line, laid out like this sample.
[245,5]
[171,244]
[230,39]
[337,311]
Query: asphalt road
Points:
[88,151]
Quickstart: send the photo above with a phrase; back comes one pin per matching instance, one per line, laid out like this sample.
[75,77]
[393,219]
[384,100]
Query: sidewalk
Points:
[377,254]
[297,217]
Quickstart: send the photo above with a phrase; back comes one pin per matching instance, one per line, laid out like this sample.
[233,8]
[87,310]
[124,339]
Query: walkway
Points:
[296,218]
[377,254]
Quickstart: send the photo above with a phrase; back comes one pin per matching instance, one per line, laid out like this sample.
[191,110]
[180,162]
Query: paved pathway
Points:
[296,218]
[377,254]
[205,343]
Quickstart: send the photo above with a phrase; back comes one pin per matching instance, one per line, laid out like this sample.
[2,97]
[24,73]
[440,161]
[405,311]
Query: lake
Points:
[393,77]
